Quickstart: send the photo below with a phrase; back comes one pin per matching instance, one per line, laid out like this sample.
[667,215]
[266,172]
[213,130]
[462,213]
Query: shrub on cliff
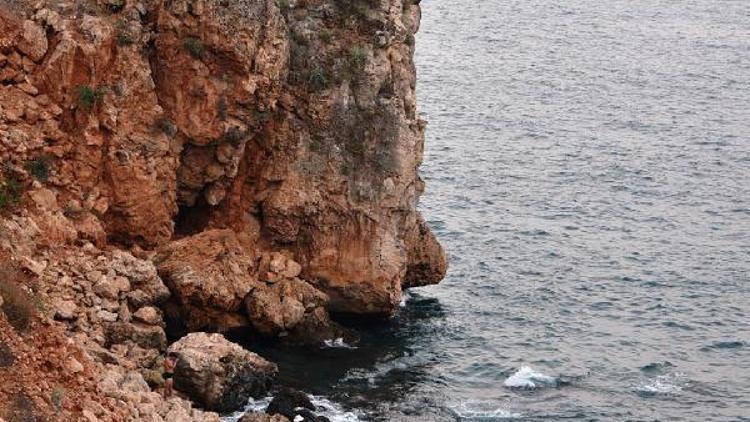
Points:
[357,58]
[89,97]
[124,35]
[7,358]
[17,304]
[354,8]
[318,79]
[10,192]
[114,6]
[195,47]
[58,398]
[38,168]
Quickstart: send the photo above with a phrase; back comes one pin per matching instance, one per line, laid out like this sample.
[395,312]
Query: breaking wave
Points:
[528,378]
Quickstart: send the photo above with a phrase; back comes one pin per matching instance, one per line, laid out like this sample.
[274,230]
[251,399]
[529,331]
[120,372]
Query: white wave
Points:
[252,405]
[323,407]
[478,410]
[405,296]
[337,343]
[334,411]
[528,378]
[660,385]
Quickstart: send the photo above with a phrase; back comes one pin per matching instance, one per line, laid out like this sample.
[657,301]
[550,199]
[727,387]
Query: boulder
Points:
[317,327]
[287,401]
[65,310]
[262,417]
[279,307]
[148,315]
[209,271]
[146,336]
[146,287]
[219,375]
[33,42]
[111,287]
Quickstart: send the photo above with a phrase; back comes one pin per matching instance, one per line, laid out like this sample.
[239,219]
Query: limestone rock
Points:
[33,41]
[149,315]
[218,374]
[280,306]
[208,271]
[262,417]
[147,336]
[146,287]
[73,366]
[65,310]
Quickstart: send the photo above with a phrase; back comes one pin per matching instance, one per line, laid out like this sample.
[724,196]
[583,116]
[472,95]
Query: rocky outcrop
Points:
[261,155]
[289,402]
[279,307]
[209,274]
[296,128]
[219,374]
[262,417]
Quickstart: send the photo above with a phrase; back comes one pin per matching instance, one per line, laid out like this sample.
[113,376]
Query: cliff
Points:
[200,165]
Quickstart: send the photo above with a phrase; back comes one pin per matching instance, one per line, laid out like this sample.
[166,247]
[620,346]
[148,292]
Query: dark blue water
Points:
[588,171]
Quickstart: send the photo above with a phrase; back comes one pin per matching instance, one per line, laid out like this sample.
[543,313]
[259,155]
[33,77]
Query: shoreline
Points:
[180,168]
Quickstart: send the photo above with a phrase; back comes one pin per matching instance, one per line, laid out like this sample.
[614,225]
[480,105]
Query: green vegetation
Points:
[89,97]
[261,117]
[124,35]
[10,192]
[318,79]
[115,6]
[355,8]
[18,306]
[38,168]
[326,36]
[357,58]
[283,5]
[195,47]
[57,398]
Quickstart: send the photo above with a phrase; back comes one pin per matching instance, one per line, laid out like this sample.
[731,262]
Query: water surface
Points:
[588,171]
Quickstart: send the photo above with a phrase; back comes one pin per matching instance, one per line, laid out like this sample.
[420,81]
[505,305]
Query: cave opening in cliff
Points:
[193,219]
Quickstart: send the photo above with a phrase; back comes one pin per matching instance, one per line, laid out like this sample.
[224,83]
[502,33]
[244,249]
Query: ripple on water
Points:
[586,168]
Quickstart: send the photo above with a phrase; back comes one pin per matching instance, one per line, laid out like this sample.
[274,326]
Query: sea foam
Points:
[526,377]
[337,343]
[323,407]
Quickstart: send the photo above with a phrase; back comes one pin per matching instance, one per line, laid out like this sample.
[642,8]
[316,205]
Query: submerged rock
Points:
[219,375]
[287,401]
[294,405]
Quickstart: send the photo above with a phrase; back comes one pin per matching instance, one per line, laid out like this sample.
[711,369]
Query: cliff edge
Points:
[173,166]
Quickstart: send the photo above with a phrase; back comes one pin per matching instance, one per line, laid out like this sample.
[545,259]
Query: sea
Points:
[588,172]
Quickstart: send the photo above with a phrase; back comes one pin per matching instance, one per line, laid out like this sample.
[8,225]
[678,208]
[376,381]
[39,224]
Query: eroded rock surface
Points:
[261,155]
[209,274]
[219,374]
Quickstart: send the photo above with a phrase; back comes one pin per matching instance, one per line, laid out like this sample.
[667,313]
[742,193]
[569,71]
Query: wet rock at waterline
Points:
[221,143]
[293,310]
[217,374]
[262,417]
[288,402]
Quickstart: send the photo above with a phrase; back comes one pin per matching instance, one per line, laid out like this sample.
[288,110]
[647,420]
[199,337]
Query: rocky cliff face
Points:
[245,163]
